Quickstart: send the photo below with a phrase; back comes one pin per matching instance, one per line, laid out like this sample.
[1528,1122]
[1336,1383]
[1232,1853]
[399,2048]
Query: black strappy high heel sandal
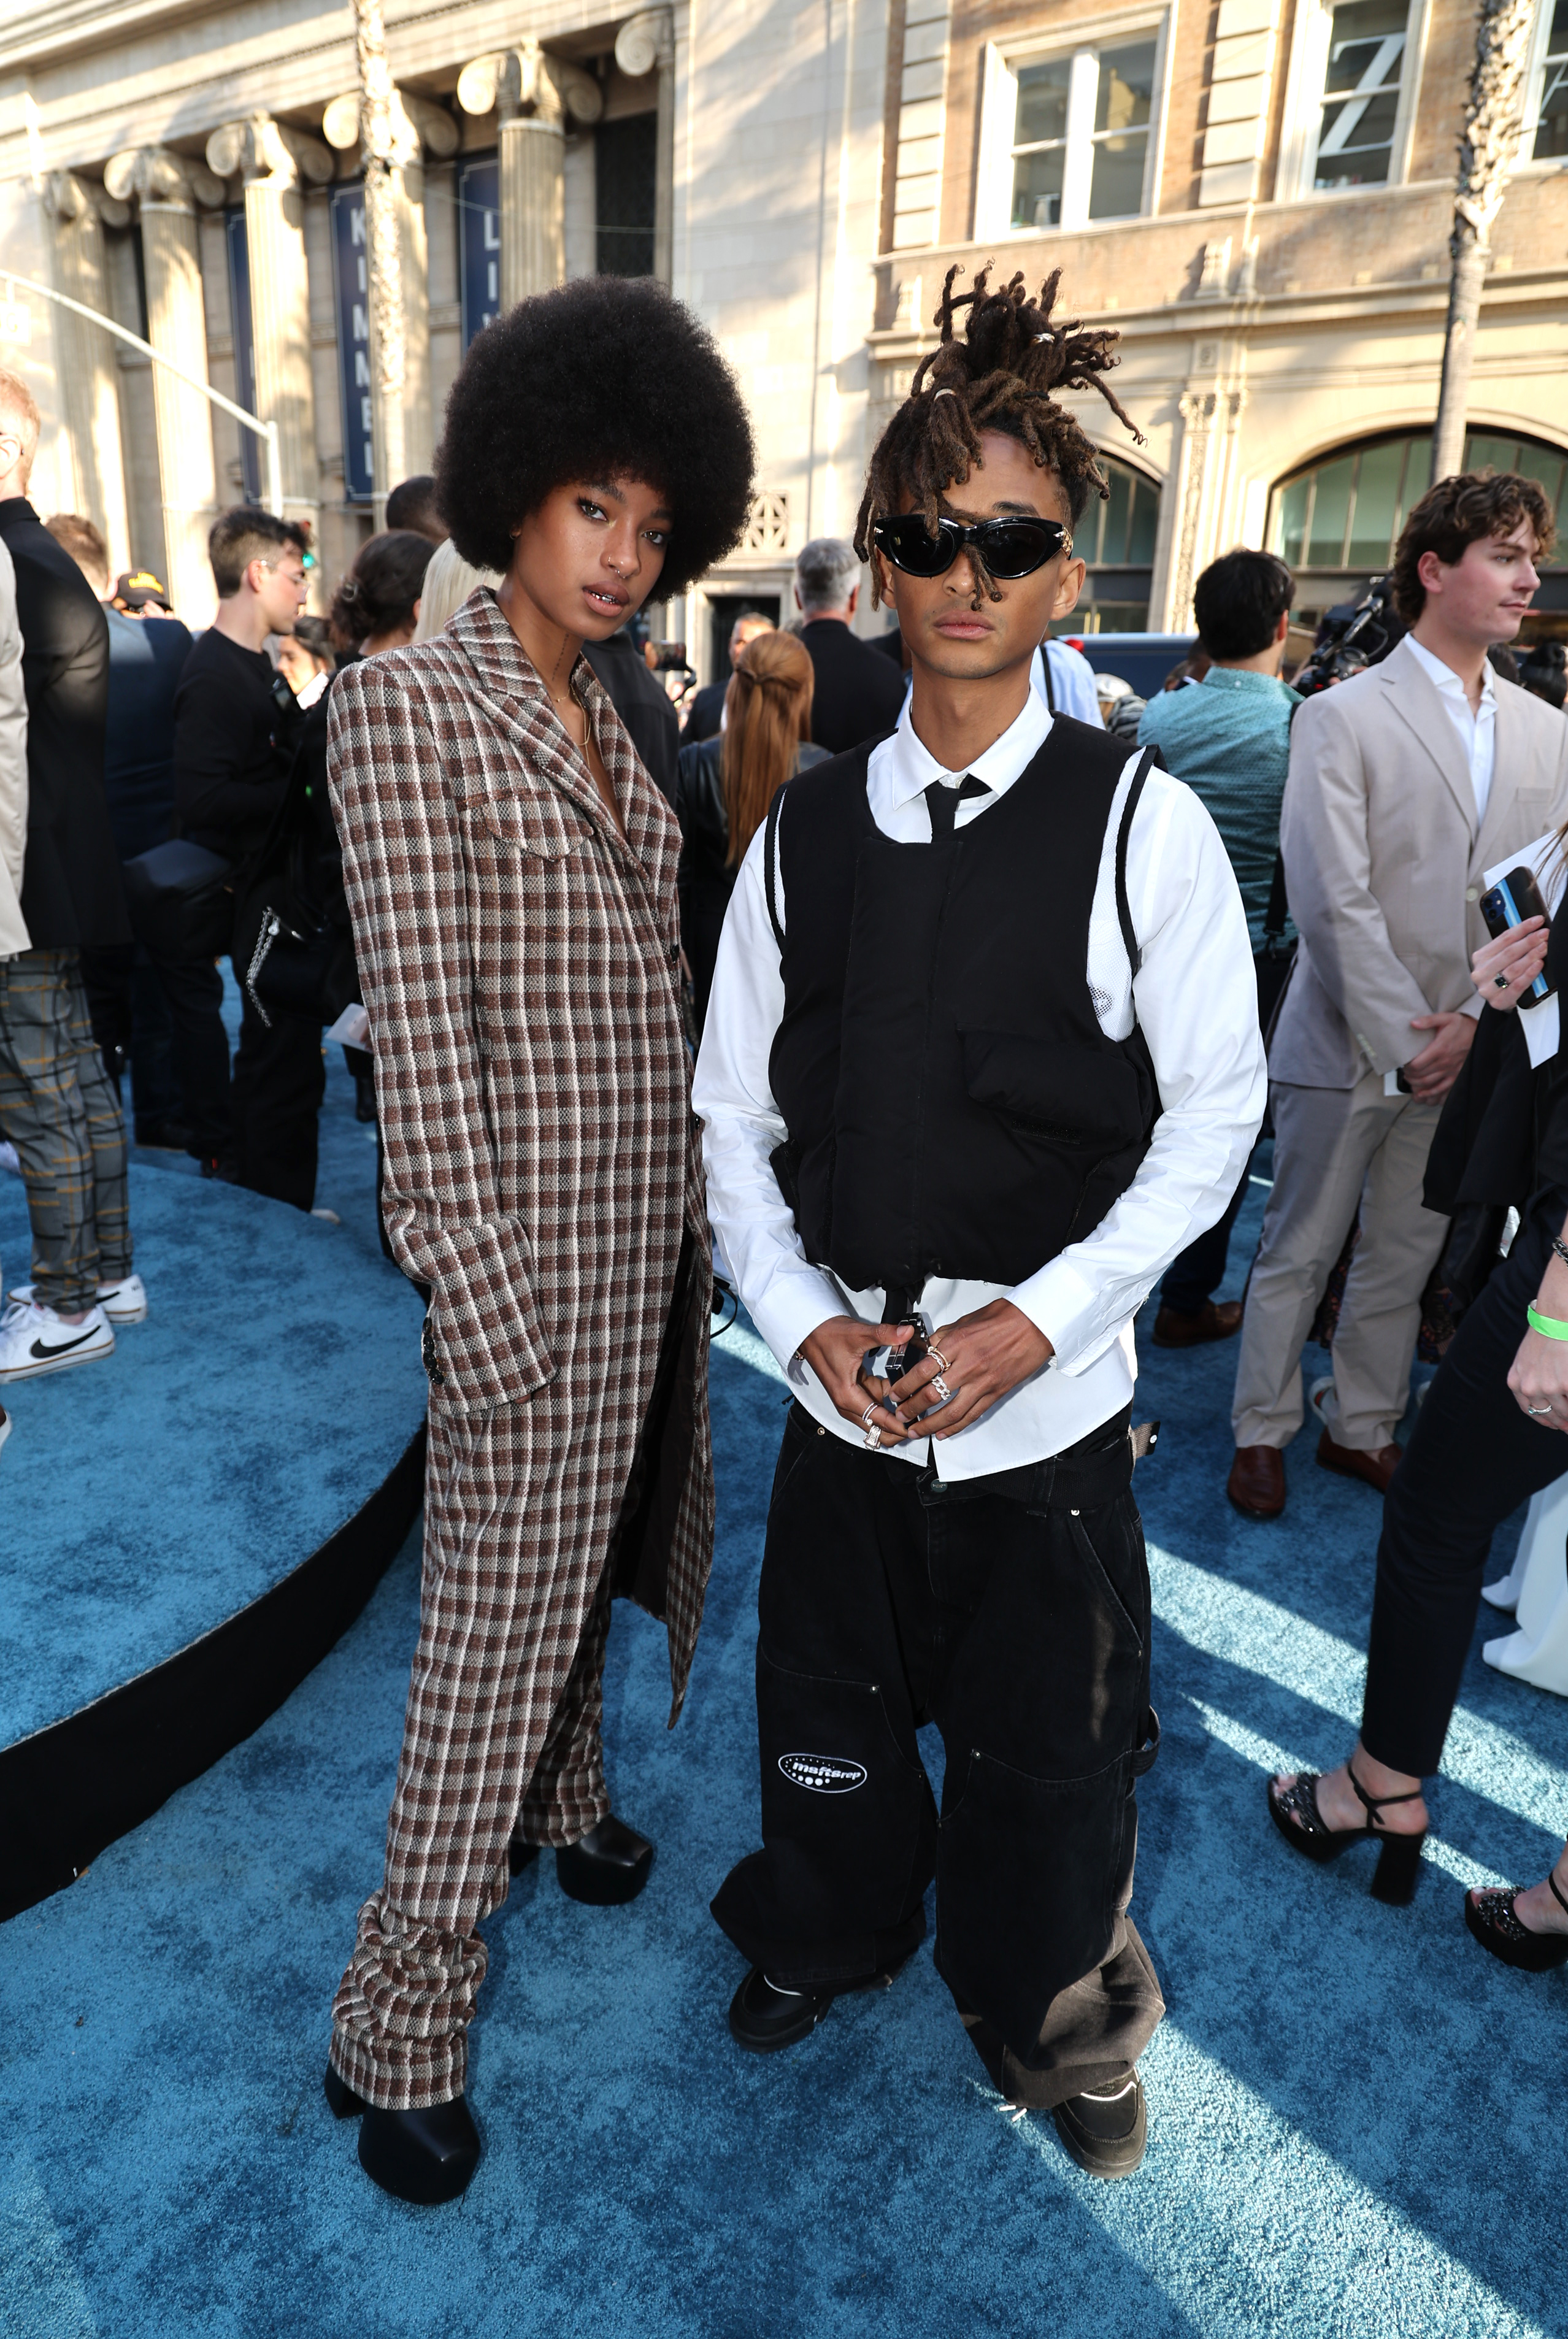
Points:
[1495,1924]
[1297,1816]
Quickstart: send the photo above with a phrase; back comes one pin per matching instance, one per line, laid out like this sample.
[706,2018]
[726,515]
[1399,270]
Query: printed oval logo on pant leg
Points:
[824,1774]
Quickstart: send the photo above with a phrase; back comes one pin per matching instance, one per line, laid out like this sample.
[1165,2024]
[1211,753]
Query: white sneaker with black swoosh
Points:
[124,1302]
[36,1340]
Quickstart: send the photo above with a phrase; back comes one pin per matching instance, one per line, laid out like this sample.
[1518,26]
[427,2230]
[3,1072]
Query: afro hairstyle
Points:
[999,376]
[605,375]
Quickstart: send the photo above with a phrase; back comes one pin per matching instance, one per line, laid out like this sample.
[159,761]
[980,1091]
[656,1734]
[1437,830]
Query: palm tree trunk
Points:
[1488,148]
[382,256]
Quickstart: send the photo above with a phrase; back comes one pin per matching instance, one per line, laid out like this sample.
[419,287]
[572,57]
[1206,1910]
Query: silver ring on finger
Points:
[873,1438]
[1537,1409]
[939,1387]
[1501,981]
[939,1360]
[868,1415]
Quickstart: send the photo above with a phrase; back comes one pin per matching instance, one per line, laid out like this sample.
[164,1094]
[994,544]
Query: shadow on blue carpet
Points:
[1356,2121]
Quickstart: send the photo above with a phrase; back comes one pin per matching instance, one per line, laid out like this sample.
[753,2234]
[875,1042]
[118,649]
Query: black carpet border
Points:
[72,1789]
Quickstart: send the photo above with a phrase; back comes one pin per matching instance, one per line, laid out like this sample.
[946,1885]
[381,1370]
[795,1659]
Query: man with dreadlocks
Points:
[981,1058]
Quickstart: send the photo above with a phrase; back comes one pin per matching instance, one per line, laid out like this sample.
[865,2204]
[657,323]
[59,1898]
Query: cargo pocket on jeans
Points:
[848,1817]
[1027,1874]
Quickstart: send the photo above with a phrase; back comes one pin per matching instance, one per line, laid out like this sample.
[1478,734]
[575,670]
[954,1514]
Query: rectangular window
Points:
[1548,109]
[1081,134]
[1367,44]
[239,251]
[626,171]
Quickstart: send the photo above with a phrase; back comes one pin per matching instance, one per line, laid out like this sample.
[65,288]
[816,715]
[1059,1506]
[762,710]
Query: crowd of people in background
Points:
[185,789]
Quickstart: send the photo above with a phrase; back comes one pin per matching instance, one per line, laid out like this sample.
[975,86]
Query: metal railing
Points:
[266,432]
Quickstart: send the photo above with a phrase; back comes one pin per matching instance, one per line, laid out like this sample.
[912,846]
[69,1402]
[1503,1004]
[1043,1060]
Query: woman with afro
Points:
[981,1056]
[511,873]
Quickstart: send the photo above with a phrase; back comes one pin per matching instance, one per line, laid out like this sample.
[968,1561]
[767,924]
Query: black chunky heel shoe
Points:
[426,2157]
[1296,1814]
[1496,1924]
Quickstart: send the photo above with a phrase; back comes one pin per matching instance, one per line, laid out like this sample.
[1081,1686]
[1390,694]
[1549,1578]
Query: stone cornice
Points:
[62,30]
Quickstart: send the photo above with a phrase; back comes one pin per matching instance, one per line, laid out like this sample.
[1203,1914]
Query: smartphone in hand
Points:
[1508,904]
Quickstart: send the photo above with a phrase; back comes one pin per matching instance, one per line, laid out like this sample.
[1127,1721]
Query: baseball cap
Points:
[137,587]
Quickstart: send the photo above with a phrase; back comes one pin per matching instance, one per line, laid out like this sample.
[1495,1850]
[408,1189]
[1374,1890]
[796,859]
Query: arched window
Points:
[1117,539]
[1337,522]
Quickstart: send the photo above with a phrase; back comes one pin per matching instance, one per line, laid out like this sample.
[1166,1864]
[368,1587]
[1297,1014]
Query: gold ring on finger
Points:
[939,1360]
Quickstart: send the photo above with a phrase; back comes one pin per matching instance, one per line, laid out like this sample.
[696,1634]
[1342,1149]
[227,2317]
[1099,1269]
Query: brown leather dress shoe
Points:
[1257,1481]
[1176,1328]
[1373,1470]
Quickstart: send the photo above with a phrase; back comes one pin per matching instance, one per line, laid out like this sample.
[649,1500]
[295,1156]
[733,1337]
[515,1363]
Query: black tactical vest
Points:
[953,1108]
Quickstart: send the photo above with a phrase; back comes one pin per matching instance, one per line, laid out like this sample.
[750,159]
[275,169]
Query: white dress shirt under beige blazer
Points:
[1384,854]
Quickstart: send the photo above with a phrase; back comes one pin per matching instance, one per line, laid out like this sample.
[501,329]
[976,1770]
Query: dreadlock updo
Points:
[999,376]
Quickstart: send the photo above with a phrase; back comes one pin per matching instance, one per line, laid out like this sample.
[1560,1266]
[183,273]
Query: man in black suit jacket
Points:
[706,709]
[859,695]
[57,1105]
[147,653]
[643,705]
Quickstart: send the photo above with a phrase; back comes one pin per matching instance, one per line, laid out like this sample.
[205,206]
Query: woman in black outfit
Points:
[724,785]
[1492,1432]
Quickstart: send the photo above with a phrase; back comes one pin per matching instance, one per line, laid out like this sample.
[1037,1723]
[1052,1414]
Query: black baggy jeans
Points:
[1473,1457]
[1013,1611]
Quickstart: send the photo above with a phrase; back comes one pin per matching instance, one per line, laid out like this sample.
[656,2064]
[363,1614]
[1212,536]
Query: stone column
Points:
[531,94]
[273,161]
[646,42]
[78,213]
[168,187]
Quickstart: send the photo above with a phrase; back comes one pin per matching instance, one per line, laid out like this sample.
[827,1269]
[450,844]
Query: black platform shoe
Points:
[1108,2134]
[1497,1926]
[1297,1816]
[765,2017]
[610,1865]
[767,2014]
[425,2156]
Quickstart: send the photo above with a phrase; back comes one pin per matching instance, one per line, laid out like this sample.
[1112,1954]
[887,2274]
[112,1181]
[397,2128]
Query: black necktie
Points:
[941,802]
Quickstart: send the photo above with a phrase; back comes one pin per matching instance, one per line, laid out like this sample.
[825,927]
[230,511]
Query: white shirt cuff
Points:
[795,1305]
[1064,1305]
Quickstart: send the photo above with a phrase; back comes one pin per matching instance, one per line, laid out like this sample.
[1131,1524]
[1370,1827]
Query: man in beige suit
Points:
[1405,782]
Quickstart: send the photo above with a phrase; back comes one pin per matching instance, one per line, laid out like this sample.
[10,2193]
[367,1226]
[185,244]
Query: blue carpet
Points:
[1358,2120]
[275,1383]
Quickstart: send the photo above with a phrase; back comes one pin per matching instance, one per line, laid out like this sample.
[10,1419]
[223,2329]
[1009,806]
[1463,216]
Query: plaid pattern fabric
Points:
[58,1108]
[518,959]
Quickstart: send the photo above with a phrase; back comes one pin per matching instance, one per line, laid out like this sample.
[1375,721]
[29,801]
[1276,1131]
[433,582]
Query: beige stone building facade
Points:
[1255,192]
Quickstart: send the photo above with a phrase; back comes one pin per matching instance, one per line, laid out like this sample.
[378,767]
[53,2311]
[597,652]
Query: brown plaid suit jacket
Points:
[519,961]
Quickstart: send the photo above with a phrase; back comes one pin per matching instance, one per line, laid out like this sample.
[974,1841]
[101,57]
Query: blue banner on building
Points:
[351,279]
[244,348]
[479,233]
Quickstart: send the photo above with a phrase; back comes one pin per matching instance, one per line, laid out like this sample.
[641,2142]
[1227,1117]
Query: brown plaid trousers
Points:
[519,961]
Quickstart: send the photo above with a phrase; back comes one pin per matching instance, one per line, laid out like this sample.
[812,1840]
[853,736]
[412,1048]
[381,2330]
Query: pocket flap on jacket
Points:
[1077,1096]
[535,821]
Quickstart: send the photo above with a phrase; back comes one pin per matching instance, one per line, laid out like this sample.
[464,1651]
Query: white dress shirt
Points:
[1477,726]
[1196,998]
[1071,680]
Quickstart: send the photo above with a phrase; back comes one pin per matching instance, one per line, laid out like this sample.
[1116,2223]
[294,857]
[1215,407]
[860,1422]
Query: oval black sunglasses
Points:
[1008,548]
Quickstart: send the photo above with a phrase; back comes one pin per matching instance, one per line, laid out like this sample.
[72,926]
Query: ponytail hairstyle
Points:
[999,375]
[379,593]
[767,714]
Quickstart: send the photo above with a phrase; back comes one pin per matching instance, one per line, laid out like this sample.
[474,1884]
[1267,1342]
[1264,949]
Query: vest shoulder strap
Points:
[1147,761]
[769,865]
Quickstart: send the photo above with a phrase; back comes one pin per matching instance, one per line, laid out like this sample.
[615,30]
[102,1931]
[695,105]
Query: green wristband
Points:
[1553,1326]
